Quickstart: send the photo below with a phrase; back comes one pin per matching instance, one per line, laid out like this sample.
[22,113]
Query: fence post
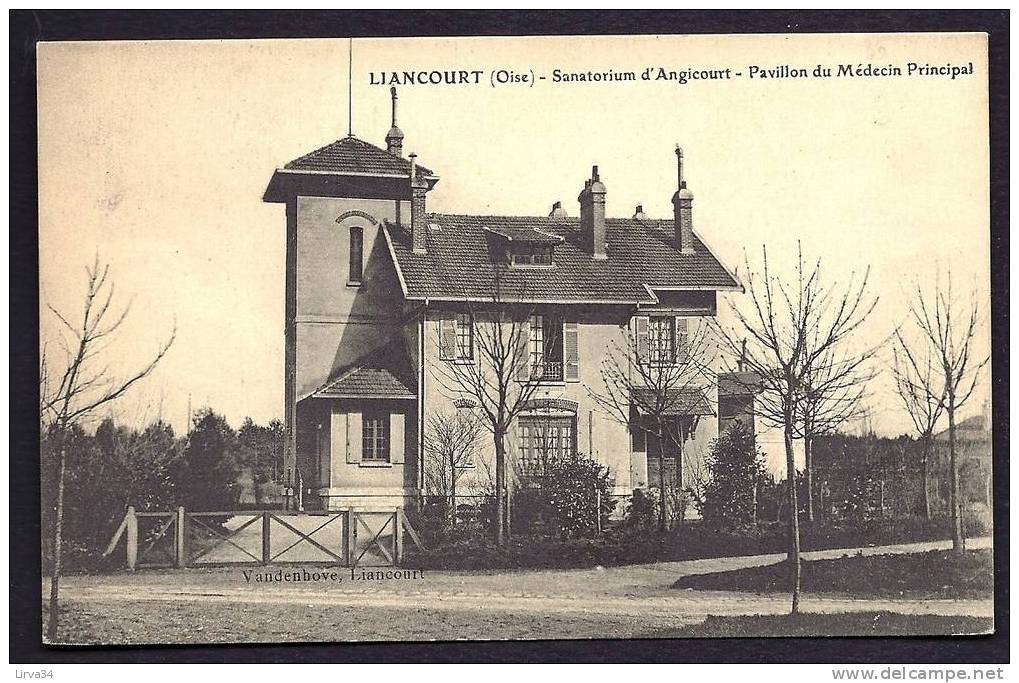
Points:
[266,544]
[181,549]
[398,537]
[132,538]
[597,510]
[349,536]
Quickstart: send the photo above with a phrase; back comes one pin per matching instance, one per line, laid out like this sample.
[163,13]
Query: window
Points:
[464,336]
[531,255]
[375,437]
[456,337]
[546,347]
[661,340]
[545,439]
[356,255]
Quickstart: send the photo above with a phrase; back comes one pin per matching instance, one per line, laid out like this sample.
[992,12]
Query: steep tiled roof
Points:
[462,258]
[351,155]
[384,373]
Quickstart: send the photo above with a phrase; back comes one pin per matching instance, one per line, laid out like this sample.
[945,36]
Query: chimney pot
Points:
[592,215]
[557,211]
[394,138]
[638,213]
[682,203]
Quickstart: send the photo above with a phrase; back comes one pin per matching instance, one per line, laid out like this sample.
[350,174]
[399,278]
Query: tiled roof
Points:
[528,235]
[462,258]
[353,156]
[384,373]
[971,429]
[687,401]
[738,383]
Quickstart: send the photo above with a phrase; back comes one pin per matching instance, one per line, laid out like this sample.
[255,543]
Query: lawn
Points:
[937,574]
[807,624]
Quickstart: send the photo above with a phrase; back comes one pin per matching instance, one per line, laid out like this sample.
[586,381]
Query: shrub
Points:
[735,469]
[572,490]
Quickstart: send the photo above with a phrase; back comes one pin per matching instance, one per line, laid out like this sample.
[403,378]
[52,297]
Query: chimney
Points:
[558,211]
[682,203]
[418,227]
[638,213]
[394,138]
[592,215]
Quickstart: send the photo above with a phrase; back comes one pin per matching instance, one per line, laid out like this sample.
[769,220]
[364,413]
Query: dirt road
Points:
[234,604]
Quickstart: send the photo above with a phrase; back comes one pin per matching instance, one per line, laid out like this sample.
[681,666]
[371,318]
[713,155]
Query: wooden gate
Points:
[349,538]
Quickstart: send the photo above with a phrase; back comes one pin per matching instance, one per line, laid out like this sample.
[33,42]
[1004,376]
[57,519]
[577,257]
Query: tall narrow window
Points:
[375,437]
[661,340]
[464,336]
[356,255]
[546,350]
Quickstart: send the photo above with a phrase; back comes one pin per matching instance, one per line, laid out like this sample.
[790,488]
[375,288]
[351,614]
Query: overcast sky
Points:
[157,156]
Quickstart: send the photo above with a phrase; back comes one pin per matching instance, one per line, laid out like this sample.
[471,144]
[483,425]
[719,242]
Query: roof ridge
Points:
[548,219]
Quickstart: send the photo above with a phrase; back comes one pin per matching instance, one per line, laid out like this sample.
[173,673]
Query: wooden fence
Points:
[349,538]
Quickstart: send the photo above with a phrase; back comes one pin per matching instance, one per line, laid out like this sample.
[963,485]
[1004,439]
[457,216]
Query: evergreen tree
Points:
[735,469]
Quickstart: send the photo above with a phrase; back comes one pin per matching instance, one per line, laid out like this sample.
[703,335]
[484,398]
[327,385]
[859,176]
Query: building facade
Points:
[387,303]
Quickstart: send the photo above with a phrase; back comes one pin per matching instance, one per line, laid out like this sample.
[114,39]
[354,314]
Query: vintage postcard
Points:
[515,338]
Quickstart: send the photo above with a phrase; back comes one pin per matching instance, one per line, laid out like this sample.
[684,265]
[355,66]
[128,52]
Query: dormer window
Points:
[530,254]
[524,246]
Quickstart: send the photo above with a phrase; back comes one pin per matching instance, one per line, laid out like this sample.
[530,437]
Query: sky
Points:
[155,156]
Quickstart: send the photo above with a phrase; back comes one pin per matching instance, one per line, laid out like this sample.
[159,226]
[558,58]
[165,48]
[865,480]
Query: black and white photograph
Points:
[528,338]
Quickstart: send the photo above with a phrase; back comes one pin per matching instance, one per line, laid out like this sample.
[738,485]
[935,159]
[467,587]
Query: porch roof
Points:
[384,373]
[678,402]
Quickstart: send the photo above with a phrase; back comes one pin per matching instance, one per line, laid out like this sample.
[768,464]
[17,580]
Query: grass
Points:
[853,624]
[930,575]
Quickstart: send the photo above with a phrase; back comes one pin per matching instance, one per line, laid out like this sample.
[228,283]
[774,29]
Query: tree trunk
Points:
[925,456]
[500,488]
[808,472]
[452,489]
[794,516]
[58,523]
[953,497]
[663,508]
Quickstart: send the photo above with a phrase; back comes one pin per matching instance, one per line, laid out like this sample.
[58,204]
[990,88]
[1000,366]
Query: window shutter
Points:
[354,444]
[640,324]
[397,445]
[682,340]
[447,338]
[571,351]
[523,350]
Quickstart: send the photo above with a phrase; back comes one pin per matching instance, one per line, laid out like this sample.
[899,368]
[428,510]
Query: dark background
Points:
[29,27]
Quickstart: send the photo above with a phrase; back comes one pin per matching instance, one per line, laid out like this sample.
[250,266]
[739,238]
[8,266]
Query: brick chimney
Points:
[418,226]
[592,215]
[682,203]
[638,213]
[394,138]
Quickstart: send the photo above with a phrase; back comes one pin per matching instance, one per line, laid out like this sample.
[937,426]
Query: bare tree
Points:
[923,396]
[947,330]
[85,385]
[658,376]
[832,395]
[451,444]
[791,331]
[501,372]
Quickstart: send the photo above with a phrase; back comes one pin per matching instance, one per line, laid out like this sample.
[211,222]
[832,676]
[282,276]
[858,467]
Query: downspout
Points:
[421,405]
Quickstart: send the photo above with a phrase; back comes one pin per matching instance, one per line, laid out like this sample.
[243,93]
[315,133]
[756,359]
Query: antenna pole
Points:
[350,88]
